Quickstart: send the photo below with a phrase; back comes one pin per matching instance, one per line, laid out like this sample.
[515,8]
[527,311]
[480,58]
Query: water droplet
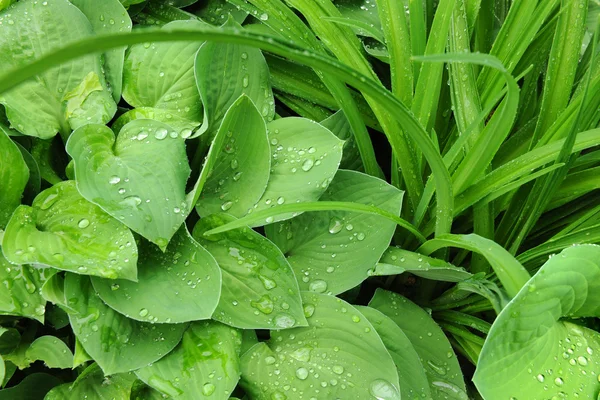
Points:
[245,81]
[360,236]
[114,286]
[335,225]
[131,201]
[142,136]
[318,286]
[234,164]
[309,310]
[355,318]
[49,201]
[302,373]
[143,312]
[113,180]
[278,396]
[208,389]
[264,16]
[437,368]
[302,354]
[284,321]
[541,378]
[270,360]
[582,361]
[308,164]
[264,304]
[280,200]
[83,223]
[383,390]
[185,133]
[161,133]
[226,206]
[558,381]
[267,283]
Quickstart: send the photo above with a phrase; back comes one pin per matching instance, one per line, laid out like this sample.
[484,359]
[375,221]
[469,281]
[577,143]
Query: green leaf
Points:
[238,176]
[9,370]
[141,391]
[339,355]
[161,76]
[430,343]
[52,351]
[180,125]
[397,261]
[115,342]
[65,231]
[226,71]
[74,93]
[215,12]
[20,294]
[530,352]
[186,276]
[2,370]
[108,16]
[204,365]
[93,385]
[9,340]
[32,387]
[304,159]
[413,380]
[14,175]
[34,183]
[139,178]
[333,251]
[81,356]
[338,125]
[259,287]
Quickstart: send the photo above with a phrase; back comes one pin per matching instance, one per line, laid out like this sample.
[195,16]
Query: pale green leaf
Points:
[182,284]
[52,351]
[41,107]
[115,342]
[65,231]
[20,293]
[339,355]
[435,352]
[333,251]
[13,177]
[530,352]
[139,178]
[239,174]
[259,286]
[205,365]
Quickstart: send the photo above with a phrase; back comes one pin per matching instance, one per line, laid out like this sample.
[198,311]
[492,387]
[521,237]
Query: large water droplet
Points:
[302,373]
[308,164]
[318,286]
[267,283]
[338,369]
[302,354]
[131,201]
[208,389]
[83,223]
[161,133]
[113,180]
[284,321]
[264,304]
[335,225]
[383,390]
[143,312]
[227,205]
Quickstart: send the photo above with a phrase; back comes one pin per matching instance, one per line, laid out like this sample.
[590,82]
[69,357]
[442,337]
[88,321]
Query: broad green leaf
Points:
[182,284]
[52,351]
[44,154]
[20,293]
[259,287]
[93,385]
[9,370]
[240,173]
[115,342]
[14,175]
[249,339]
[80,356]
[304,159]
[226,71]
[108,16]
[333,251]
[435,352]
[397,261]
[413,381]
[34,183]
[9,340]
[161,76]
[339,126]
[530,352]
[32,387]
[180,126]
[339,355]
[205,365]
[139,178]
[65,231]
[74,93]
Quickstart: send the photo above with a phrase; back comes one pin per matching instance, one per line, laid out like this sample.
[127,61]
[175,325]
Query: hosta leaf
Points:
[333,251]
[115,342]
[529,352]
[304,159]
[65,231]
[93,385]
[241,170]
[9,340]
[259,286]
[186,277]
[180,126]
[62,98]
[108,16]
[161,76]
[427,338]
[339,355]
[338,125]
[205,365]
[141,391]
[34,183]
[397,261]
[20,293]
[226,71]
[13,177]
[215,12]
[52,351]
[139,178]
[32,387]
[413,381]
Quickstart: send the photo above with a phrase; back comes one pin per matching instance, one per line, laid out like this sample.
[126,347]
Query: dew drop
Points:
[308,164]
[83,223]
[161,133]
[302,373]
[227,205]
[318,286]
[335,226]
[383,390]
[208,389]
[284,321]
[113,180]
[143,312]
